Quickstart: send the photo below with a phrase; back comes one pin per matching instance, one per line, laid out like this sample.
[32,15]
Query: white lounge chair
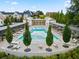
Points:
[74,41]
[55,45]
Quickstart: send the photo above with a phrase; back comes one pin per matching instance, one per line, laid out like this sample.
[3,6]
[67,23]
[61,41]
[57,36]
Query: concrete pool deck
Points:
[35,50]
[35,47]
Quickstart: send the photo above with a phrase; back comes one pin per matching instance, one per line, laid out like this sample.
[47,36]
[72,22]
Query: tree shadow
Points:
[48,49]
[27,50]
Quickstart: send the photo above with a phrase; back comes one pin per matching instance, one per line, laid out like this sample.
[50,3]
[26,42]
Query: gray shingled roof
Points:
[9,13]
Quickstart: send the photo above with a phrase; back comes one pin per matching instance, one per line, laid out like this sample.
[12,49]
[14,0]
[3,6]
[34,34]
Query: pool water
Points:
[38,34]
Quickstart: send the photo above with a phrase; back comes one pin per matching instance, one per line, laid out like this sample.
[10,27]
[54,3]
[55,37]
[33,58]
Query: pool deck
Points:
[35,50]
[35,47]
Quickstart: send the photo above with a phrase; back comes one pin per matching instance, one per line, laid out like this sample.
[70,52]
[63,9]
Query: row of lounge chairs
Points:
[16,35]
[15,43]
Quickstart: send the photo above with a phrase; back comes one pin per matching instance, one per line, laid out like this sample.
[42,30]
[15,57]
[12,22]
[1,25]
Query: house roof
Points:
[29,13]
[7,13]
[11,13]
[19,13]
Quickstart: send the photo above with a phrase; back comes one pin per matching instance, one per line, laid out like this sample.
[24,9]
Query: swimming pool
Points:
[38,34]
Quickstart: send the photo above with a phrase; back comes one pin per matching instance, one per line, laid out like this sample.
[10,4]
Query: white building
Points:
[2,17]
[37,22]
[17,15]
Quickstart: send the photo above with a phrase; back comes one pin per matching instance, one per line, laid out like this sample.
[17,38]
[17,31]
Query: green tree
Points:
[69,17]
[27,36]
[49,38]
[74,10]
[15,19]
[8,34]
[12,19]
[39,13]
[76,19]
[69,57]
[66,34]
[41,16]
[58,16]
[21,18]
[62,17]
[6,21]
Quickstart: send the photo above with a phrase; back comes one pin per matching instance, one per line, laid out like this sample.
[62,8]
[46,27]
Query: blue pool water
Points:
[38,29]
[38,34]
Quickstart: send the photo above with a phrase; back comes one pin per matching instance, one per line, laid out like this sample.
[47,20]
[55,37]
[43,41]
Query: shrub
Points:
[24,57]
[37,57]
[8,34]
[2,54]
[8,20]
[66,34]
[75,56]
[41,16]
[49,38]
[12,57]
[62,56]
[27,35]
[69,57]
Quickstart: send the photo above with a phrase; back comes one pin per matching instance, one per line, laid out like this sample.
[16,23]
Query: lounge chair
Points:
[55,45]
[40,47]
[10,46]
[15,47]
[74,41]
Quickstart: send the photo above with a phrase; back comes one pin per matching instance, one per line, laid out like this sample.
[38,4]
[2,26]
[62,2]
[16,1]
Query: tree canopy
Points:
[27,36]
[58,16]
[49,38]
[8,20]
[39,12]
[74,10]
[8,34]
[71,16]
[66,34]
